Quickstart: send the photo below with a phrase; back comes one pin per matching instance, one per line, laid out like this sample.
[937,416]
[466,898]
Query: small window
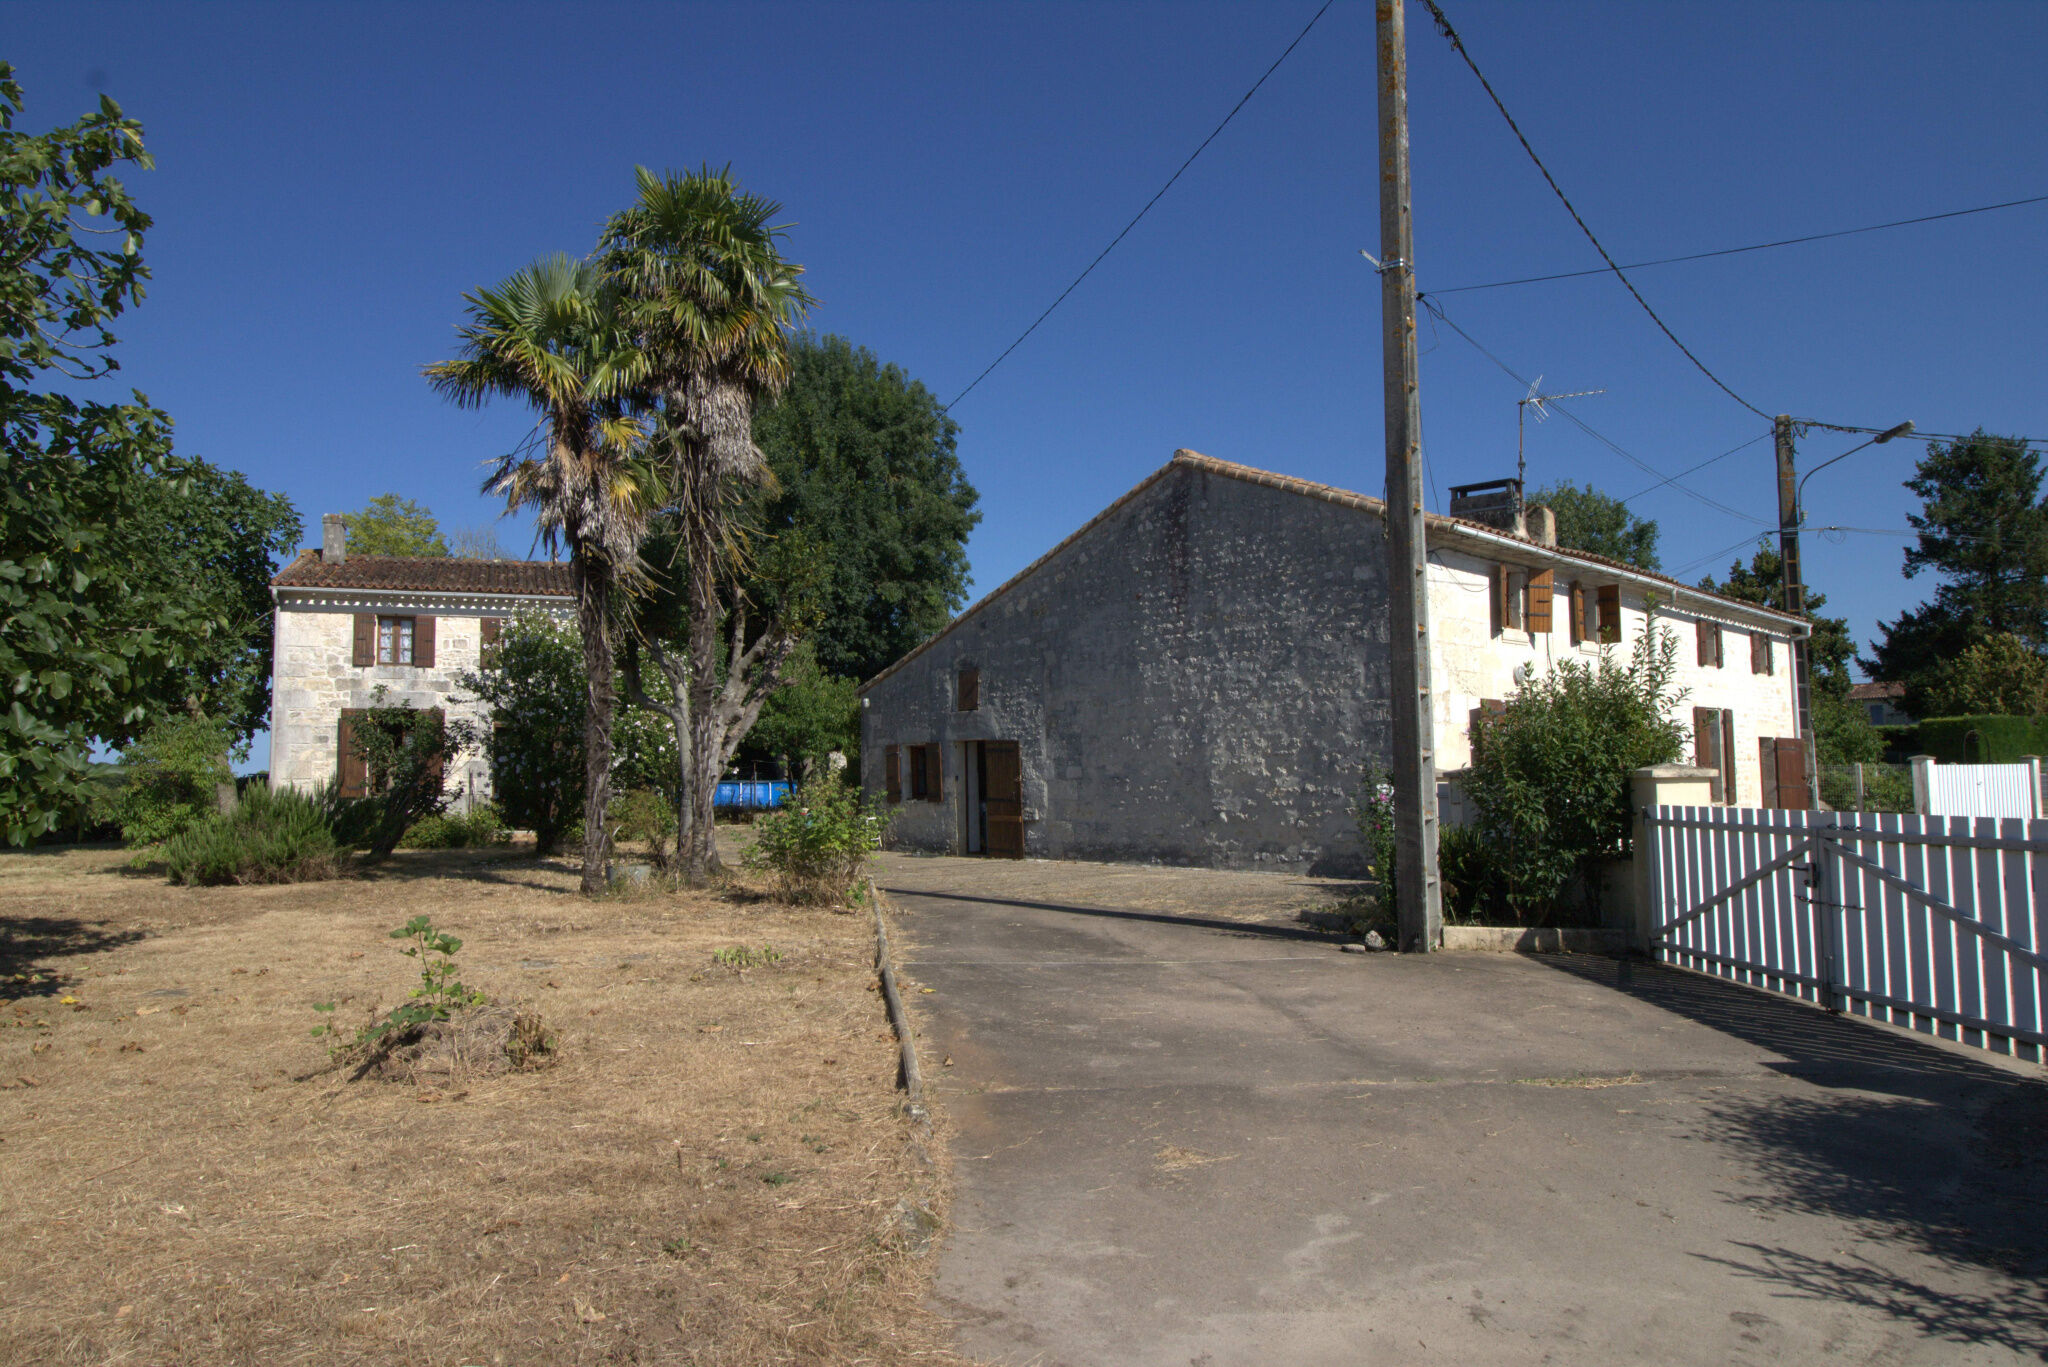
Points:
[918,772]
[394,640]
[1510,598]
[969,699]
[1876,710]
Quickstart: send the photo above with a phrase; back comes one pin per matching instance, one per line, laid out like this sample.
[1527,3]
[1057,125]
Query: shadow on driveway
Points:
[1250,929]
[1921,1146]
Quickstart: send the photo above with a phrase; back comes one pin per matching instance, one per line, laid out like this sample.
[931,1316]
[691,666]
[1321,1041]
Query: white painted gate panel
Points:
[1936,923]
[2000,790]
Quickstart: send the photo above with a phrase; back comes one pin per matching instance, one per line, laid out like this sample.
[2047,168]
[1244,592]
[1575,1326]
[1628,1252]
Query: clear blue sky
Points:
[331,180]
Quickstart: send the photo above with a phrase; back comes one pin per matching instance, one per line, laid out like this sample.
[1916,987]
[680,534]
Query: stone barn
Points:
[1199,675]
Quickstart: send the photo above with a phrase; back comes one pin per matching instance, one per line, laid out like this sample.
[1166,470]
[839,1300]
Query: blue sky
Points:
[331,179]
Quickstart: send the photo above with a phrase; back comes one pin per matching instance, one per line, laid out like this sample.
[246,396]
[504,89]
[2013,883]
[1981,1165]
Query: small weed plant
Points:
[438,997]
[739,958]
[817,846]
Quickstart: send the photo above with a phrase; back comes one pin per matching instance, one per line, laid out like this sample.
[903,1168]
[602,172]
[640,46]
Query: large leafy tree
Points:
[1983,531]
[390,525]
[2000,674]
[1588,520]
[711,301]
[92,643]
[865,463]
[551,335]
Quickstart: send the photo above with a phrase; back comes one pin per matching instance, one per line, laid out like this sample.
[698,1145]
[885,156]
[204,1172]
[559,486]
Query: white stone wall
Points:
[314,679]
[1472,663]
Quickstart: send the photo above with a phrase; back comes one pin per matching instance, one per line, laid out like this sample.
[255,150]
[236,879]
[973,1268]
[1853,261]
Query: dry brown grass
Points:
[710,1173]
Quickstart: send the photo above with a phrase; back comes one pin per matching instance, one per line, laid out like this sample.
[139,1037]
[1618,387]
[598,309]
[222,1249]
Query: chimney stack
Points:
[1540,525]
[333,539]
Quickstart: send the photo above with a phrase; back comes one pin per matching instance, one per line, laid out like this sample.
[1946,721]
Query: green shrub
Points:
[1375,811]
[1465,870]
[533,685]
[1997,739]
[270,837]
[480,826]
[816,845]
[172,772]
[647,815]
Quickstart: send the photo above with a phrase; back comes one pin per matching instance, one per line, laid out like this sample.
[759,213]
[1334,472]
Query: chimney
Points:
[1497,503]
[1541,525]
[333,539]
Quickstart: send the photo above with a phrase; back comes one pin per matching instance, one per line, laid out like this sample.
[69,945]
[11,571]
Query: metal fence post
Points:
[1822,900]
[1859,785]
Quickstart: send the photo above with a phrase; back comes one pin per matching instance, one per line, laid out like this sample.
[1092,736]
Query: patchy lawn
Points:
[709,1172]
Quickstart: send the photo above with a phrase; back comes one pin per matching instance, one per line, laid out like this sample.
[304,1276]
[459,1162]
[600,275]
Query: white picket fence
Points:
[1936,923]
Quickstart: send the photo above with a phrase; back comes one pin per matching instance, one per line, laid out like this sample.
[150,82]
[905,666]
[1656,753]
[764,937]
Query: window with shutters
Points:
[1510,598]
[1762,660]
[920,772]
[969,697]
[1713,747]
[1538,593]
[394,640]
[1708,638]
[1607,609]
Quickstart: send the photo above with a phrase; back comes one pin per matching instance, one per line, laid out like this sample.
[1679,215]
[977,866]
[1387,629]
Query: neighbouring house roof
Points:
[428,574]
[1477,536]
[1876,692]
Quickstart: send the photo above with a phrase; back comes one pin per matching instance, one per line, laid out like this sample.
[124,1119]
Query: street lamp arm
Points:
[1799,494]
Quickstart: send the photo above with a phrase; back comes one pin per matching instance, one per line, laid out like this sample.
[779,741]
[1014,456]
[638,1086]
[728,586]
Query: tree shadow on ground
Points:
[27,943]
[1916,1146]
[502,867]
[1243,929]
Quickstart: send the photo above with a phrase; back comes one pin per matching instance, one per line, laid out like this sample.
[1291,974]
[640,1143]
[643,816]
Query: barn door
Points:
[1004,799]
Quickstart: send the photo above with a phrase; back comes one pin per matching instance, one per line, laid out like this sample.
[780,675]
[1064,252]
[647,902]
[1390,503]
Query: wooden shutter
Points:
[1789,772]
[1610,614]
[1767,770]
[1004,799]
[1760,661]
[1539,602]
[352,777]
[366,640]
[1728,788]
[1575,608]
[892,773]
[1500,598]
[488,630]
[423,642]
[934,772]
[1706,744]
[970,689]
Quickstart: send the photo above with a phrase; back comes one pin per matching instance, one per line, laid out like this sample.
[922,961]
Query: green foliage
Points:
[533,686]
[2000,673]
[480,826]
[1983,530]
[1886,788]
[440,993]
[647,815]
[403,748]
[173,773]
[1983,739]
[1376,827]
[1842,733]
[812,714]
[86,651]
[1464,864]
[740,957]
[390,525]
[817,844]
[1549,776]
[865,462]
[281,836]
[1588,520]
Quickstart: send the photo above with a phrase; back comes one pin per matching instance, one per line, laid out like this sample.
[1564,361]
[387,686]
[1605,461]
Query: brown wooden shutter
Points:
[1575,608]
[352,777]
[934,772]
[488,629]
[1767,770]
[1701,653]
[1004,799]
[1539,602]
[1790,773]
[970,689]
[1759,653]
[1706,739]
[1728,789]
[1610,614]
[423,642]
[892,773]
[366,640]
[1500,599]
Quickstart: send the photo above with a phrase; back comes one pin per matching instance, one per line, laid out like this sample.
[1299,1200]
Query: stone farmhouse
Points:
[1199,675]
[345,625]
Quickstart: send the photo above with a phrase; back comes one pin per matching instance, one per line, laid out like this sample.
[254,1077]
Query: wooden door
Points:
[1004,799]
[1790,772]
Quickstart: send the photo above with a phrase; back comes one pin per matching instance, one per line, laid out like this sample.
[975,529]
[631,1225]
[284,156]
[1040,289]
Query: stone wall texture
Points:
[1200,676]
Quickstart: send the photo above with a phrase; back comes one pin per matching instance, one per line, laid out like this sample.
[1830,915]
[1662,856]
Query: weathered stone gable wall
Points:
[314,680]
[1199,679]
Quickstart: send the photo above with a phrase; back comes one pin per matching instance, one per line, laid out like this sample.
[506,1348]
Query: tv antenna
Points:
[1536,399]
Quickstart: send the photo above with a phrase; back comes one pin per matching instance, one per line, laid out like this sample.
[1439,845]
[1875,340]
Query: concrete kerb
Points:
[1534,940]
[912,1078]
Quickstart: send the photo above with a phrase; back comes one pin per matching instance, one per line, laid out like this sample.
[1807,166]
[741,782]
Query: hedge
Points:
[2000,739]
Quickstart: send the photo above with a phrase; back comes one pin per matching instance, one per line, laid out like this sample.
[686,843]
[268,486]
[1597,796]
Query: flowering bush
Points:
[1375,808]
[816,845]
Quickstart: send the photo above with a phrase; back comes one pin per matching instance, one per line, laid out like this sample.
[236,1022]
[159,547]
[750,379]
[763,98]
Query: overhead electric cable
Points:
[1437,311]
[1695,469]
[1457,44]
[1148,204]
[1753,247]
[1929,436]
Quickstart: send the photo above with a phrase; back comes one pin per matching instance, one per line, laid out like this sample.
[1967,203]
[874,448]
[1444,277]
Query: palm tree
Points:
[711,302]
[551,334]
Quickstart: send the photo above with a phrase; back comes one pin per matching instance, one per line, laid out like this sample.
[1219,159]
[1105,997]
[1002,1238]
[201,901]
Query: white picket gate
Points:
[1937,923]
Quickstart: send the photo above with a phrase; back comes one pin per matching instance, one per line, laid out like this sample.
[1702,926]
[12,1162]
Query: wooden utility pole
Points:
[1417,897]
[1795,602]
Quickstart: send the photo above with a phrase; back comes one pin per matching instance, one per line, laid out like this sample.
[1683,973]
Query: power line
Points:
[1457,45]
[1753,247]
[1731,547]
[1929,436]
[1437,311]
[1148,205]
[1697,468]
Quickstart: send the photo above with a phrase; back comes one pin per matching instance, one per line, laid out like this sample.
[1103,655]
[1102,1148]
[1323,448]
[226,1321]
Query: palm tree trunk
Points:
[700,860]
[591,604]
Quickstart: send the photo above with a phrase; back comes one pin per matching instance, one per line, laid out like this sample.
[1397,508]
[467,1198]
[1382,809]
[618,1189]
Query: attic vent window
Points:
[969,699]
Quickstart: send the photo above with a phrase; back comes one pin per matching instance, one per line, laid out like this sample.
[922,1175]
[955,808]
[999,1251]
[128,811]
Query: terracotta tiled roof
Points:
[1876,692]
[428,574]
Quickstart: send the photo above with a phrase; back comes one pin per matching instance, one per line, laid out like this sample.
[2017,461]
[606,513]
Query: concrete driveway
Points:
[1188,1132]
